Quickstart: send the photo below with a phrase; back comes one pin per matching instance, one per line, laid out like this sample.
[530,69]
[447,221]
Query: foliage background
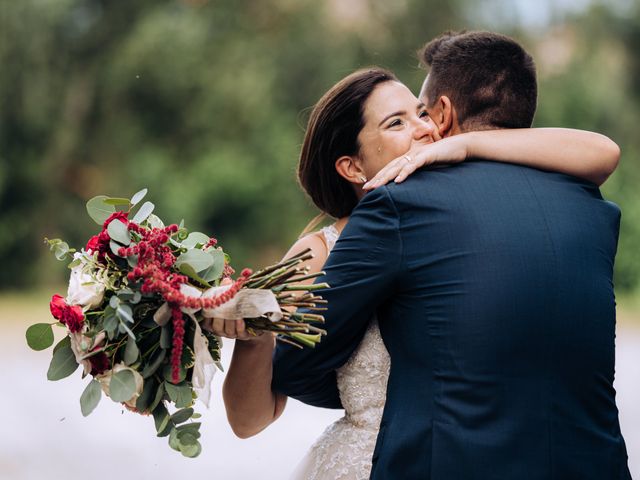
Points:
[205,102]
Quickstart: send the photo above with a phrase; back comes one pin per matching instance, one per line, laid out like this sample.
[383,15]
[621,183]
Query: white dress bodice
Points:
[344,450]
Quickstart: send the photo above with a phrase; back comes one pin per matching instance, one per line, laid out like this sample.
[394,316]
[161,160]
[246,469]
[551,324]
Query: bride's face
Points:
[393,120]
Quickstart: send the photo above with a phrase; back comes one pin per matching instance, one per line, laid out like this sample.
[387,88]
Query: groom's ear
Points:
[444,116]
[348,167]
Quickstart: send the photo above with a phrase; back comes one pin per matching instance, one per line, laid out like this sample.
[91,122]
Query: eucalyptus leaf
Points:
[114,301]
[148,393]
[215,270]
[116,201]
[65,342]
[145,210]
[155,222]
[122,386]
[131,352]
[98,210]
[138,196]
[158,398]
[118,231]
[195,238]
[161,417]
[165,337]
[182,415]
[188,270]
[191,451]
[90,397]
[187,438]
[198,259]
[63,363]
[155,363]
[125,313]
[39,336]
[173,440]
[115,247]
[179,394]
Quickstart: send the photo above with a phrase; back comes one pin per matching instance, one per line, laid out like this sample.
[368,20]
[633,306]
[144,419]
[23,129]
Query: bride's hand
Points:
[448,150]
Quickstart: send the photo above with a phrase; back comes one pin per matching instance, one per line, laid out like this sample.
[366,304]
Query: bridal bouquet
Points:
[137,294]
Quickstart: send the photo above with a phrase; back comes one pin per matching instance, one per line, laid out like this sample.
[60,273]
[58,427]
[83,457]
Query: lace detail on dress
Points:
[345,448]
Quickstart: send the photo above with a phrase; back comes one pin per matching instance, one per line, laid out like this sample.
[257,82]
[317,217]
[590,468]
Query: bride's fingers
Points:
[384,176]
[405,171]
[230,329]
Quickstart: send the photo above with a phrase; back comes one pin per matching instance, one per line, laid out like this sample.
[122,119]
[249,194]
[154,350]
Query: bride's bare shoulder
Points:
[316,242]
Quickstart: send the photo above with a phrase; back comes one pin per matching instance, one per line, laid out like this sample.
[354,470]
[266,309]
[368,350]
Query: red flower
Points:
[69,315]
[57,306]
[120,215]
[99,363]
[73,318]
[93,244]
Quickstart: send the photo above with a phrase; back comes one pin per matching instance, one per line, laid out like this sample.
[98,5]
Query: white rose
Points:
[84,290]
[105,381]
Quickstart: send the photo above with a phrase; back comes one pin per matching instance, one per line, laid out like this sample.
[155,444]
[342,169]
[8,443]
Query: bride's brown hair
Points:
[332,132]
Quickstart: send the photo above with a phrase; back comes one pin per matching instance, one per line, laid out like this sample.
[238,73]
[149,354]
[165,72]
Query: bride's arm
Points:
[583,154]
[250,403]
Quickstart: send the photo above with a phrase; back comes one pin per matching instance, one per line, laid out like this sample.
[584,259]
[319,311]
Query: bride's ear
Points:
[348,167]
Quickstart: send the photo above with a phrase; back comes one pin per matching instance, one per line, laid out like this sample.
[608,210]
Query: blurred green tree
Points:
[205,103]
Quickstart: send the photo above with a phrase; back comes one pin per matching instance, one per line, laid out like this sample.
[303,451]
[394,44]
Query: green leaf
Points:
[114,301]
[165,337]
[179,394]
[138,196]
[158,397]
[65,342]
[145,210]
[195,238]
[90,397]
[131,352]
[191,451]
[214,271]
[155,363]
[118,231]
[124,313]
[39,336]
[155,222]
[116,201]
[63,362]
[197,259]
[173,440]
[98,210]
[122,386]
[182,415]
[188,270]
[149,391]
[161,417]
[115,247]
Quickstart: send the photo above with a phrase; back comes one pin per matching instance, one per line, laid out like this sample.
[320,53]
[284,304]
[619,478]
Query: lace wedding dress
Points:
[344,450]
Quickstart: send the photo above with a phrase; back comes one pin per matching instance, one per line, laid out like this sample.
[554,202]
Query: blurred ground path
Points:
[45,435]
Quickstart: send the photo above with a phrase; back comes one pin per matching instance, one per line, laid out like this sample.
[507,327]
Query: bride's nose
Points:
[423,131]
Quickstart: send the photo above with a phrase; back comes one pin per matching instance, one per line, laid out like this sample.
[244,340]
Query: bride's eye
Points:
[423,114]
[395,123]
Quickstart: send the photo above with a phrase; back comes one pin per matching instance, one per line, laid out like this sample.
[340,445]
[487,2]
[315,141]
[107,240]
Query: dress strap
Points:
[331,235]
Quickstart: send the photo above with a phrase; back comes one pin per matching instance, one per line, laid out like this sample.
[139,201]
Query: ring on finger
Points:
[408,158]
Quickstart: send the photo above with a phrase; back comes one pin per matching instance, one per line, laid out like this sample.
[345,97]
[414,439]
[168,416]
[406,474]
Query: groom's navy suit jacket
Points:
[493,286]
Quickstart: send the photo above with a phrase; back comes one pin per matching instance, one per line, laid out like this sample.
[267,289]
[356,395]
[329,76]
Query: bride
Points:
[366,121]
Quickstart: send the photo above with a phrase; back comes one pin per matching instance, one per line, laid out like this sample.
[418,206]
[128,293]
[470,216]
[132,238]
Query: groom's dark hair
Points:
[489,78]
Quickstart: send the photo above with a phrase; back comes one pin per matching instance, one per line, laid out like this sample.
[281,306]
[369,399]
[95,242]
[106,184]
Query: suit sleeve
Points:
[361,271]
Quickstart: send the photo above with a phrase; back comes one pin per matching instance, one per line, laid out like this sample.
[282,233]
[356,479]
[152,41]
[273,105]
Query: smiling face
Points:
[394,119]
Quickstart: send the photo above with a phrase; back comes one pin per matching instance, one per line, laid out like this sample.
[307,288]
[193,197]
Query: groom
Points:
[493,288]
